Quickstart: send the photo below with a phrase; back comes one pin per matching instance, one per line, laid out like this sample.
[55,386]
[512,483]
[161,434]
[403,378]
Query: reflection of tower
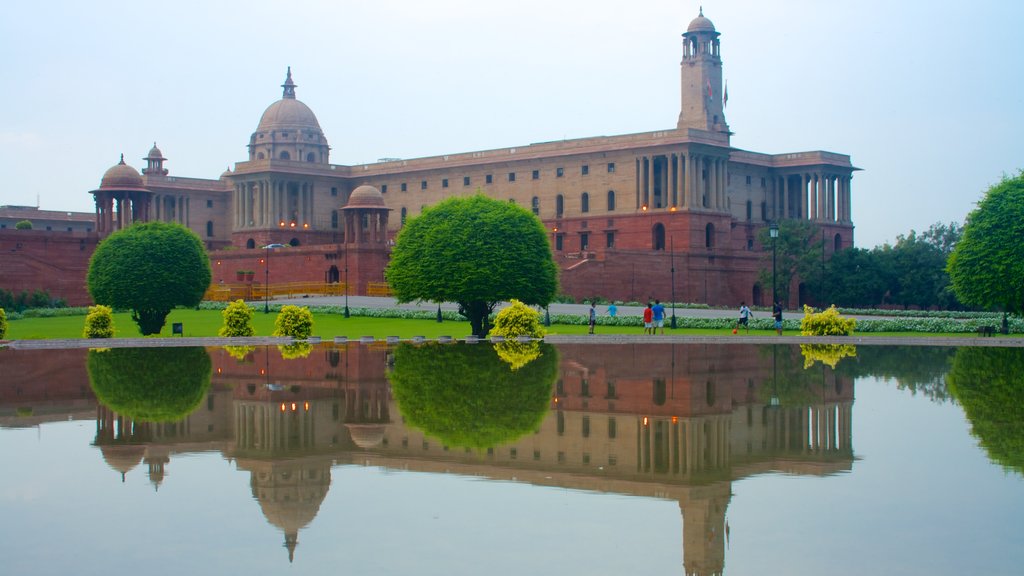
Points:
[704,528]
[120,440]
[290,493]
[157,458]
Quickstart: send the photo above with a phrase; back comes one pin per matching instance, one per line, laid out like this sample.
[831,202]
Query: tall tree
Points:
[149,268]
[987,266]
[476,252]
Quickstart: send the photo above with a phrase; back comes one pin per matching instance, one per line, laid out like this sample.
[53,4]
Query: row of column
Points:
[119,210]
[690,181]
[172,208]
[683,447]
[266,203]
[815,429]
[813,196]
[366,225]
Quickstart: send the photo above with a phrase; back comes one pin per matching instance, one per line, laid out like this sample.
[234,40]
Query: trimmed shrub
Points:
[294,321]
[237,320]
[516,320]
[3,323]
[827,323]
[99,323]
[23,225]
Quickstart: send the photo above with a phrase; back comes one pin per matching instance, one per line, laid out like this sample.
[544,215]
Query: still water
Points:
[442,459]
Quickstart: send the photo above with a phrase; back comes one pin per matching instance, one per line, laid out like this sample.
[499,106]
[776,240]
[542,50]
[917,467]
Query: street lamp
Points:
[266,277]
[672,260]
[773,231]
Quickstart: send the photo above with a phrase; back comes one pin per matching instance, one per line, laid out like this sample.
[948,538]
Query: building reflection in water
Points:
[659,420]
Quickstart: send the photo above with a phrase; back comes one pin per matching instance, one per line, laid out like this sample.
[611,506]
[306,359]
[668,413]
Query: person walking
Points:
[658,314]
[745,315]
[777,314]
[593,317]
[612,309]
[648,319]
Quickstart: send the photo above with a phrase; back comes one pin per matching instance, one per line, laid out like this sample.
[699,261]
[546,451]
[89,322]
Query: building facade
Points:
[671,214]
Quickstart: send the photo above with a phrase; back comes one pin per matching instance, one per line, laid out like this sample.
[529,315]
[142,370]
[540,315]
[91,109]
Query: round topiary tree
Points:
[99,323]
[294,321]
[3,323]
[149,268]
[23,225]
[474,251]
[150,384]
[237,320]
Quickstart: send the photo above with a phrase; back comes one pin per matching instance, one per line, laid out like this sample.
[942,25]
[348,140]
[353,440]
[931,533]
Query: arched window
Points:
[310,157]
[611,200]
[585,203]
[559,205]
[837,243]
[535,205]
[709,235]
[259,155]
[285,155]
[209,228]
[658,236]
[250,243]
[404,214]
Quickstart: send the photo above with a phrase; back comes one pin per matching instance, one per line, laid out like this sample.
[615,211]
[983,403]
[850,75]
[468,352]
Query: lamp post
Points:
[773,231]
[346,282]
[672,260]
[266,277]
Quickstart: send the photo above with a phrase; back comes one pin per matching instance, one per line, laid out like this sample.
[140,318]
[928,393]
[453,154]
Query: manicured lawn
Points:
[327,326]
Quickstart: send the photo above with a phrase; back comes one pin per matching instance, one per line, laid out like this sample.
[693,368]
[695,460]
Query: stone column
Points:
[684,189]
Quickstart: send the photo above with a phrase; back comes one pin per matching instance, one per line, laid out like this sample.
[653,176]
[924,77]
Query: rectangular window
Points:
[488,179]
[611,427]
[536,454]
[609,240]
[764,184]
[559,172]
[511,176]
[748,180]
[586,426]
[444,183]
[513,453]
[334,191]
[383,188]
[423,185]
[465,180]
[536,175]
[611,167]
[584,241]
[209,203]
[404,187]
[558,242]
[585,170]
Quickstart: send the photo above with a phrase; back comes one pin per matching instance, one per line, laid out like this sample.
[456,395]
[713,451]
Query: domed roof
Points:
[155,152]
[122,457]
[700,24]
[366,436]
[288,113]
[366,196]
[122,177]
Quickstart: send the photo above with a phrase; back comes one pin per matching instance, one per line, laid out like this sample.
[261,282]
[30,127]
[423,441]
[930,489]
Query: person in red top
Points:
[648,319]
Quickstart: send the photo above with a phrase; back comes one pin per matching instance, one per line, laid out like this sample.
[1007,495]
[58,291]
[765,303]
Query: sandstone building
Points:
[631,217]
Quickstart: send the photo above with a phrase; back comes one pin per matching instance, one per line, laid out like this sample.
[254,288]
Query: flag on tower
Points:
[725,96]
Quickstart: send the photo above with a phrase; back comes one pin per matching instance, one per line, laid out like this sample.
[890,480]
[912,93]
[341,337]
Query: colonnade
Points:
[172,208]
[366,225]
[118,210]
[684,180]
[820,196]
[269,203]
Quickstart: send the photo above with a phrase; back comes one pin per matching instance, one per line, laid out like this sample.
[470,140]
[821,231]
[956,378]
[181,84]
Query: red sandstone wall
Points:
[53,261]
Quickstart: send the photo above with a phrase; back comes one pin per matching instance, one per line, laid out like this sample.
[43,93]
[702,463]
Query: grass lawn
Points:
[327,326]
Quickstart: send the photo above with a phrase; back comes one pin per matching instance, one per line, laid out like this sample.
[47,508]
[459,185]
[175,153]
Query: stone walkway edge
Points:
[60,344]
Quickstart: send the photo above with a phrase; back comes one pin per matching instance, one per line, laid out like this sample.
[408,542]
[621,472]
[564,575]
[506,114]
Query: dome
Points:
[366,436]
[288,114]
[155,152]
[366,196]
[122,457]
[122,177]
[700,24]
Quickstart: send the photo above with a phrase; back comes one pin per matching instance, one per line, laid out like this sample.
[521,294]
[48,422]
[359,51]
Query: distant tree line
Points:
[24,300]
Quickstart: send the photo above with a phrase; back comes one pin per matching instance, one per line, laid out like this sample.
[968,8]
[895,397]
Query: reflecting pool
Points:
[455,459]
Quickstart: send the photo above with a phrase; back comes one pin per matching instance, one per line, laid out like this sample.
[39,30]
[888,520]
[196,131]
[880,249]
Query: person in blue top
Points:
[612,309]
[658,312]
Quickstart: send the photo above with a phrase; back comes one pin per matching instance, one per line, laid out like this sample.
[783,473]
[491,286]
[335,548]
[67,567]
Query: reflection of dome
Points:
[290,494]
[122,458]
[366,197]
[700,24]
[122,177]
[366,436]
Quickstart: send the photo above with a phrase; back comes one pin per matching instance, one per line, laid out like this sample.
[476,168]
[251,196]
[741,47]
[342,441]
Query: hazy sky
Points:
[926,96]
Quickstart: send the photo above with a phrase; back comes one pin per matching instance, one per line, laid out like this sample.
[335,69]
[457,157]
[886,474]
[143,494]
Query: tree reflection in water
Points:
[466,396]
[989,384]
[150,384]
